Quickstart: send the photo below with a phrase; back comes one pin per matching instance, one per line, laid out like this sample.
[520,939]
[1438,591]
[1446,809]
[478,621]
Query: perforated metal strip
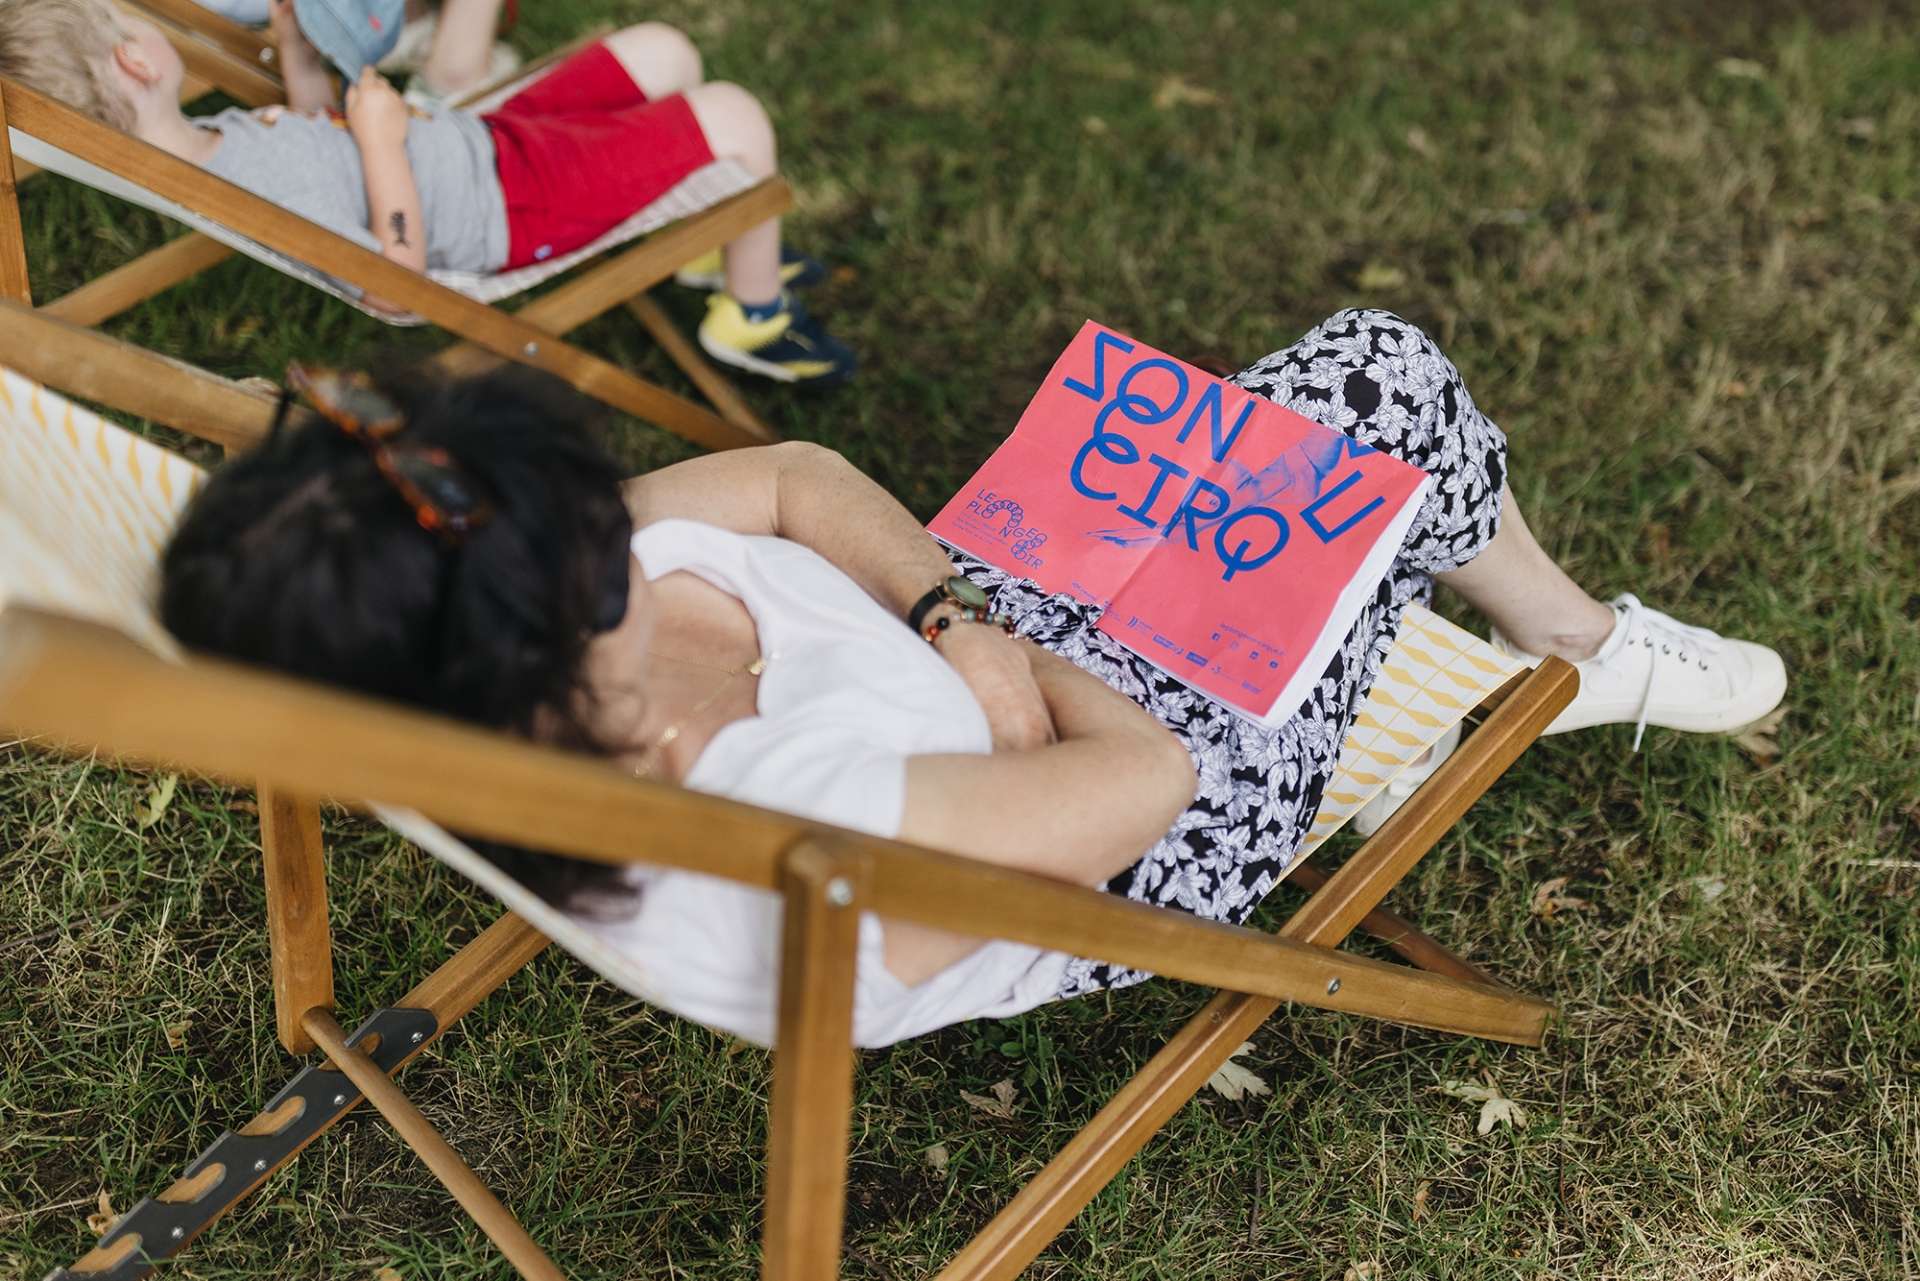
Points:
[240,1160]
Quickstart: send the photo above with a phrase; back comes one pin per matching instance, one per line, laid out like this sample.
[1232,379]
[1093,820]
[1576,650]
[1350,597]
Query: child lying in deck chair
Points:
[549,170]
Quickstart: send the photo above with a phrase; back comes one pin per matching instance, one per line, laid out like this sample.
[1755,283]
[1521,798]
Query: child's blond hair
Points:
[63,48]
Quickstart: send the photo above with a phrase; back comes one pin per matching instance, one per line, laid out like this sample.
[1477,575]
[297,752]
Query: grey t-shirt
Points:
[311,165]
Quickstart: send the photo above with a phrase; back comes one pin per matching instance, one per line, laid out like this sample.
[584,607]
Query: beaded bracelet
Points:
[966,614]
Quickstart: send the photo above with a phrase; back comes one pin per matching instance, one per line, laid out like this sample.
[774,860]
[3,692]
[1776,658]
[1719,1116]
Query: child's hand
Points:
[376,114]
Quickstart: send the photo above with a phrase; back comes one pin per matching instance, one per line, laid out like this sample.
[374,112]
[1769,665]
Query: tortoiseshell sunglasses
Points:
[426,477]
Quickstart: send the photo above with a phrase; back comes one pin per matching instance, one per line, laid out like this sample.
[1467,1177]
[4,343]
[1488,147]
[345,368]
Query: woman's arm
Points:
[818,499]
[811,495]
[1079,810]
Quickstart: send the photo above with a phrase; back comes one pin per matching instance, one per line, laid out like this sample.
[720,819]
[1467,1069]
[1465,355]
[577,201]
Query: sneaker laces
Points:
[1677,639]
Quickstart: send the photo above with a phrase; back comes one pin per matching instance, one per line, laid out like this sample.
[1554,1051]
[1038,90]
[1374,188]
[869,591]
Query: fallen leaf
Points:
[100,1222]
[1174,91]
[845,274]
[1736,389]
[1709,888]
[388,1273]
[1235,1081]
[937,1158]
[1740,69]
[1659,541]
[1380,275]
[1495,1107]
[1548,901]
[1000,1105]
[1368,1271]
[1095,126]
[177,1034]
[1757,740]
[1420,1201]
[1417,140]
[159,796]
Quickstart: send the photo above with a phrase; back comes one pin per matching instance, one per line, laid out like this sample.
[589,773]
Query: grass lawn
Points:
[1674,253]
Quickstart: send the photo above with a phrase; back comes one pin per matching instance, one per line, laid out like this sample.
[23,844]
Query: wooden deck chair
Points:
[705,210]
[83,662]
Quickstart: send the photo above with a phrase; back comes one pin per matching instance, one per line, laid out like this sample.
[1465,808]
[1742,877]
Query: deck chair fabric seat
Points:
[84,507]
[701,189]
[704,211]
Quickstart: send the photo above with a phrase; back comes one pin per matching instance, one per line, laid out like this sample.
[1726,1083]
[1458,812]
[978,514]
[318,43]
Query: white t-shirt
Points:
[849,693]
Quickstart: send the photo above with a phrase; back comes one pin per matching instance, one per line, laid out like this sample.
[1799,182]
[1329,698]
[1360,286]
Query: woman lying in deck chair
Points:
[734,623]
[548,171]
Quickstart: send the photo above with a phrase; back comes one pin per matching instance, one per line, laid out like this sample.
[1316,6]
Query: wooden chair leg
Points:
[1405,939]
[812,1066]
[301,943]
[528,1259]
[699,370]
[1049,1201]
[14,282]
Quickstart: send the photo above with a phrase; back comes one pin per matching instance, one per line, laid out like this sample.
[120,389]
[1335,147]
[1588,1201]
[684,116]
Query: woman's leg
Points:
[1527,596]
[1381,380]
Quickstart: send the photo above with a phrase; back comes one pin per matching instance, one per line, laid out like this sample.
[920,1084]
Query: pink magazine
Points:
[1230,542]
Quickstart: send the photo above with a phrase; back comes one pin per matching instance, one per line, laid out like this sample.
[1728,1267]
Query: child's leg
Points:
[462,45]
[658,58]
[629,68]
[737,128]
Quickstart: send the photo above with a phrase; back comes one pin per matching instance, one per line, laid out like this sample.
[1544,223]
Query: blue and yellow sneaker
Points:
[787,346]
[709,272]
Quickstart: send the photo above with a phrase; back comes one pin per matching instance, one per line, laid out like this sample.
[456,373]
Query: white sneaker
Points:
[1655,670]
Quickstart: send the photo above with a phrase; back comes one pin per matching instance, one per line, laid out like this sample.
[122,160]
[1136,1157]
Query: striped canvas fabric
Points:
[1435,674]
[85,507]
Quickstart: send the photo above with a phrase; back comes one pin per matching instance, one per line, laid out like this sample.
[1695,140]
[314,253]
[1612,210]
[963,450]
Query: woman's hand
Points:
[376,114]
[998,671]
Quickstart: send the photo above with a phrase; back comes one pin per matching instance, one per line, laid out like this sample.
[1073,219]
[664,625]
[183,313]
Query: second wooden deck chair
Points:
[84,506]
[705,210]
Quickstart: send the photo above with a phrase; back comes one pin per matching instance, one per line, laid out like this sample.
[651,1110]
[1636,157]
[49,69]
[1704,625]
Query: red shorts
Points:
[581,149]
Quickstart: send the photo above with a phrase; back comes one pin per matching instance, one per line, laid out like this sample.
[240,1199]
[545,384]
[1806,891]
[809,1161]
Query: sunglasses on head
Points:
[444,499]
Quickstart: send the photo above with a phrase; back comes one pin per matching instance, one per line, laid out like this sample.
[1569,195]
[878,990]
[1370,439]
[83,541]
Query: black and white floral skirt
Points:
[1382,381]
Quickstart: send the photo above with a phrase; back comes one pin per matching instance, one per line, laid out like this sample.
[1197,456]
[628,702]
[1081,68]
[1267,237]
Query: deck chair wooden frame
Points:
[532,335]
[72,683]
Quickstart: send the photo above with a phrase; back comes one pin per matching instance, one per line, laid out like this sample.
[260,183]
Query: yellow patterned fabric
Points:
[85,507]
[1435,674]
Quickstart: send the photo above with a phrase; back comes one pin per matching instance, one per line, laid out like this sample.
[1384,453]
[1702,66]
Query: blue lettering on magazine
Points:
[1022,540]
[1244,539]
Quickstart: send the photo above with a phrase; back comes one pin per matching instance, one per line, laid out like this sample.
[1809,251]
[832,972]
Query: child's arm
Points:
[305,73]
[378,119]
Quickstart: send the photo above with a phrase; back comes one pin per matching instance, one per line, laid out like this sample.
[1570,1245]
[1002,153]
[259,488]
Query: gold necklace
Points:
[672,731]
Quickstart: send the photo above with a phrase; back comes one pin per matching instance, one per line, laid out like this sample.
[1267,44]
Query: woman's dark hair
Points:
[301,556]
